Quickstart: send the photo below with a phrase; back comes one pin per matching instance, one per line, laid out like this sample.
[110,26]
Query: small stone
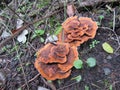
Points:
[107,71]
[105,61]
[109,57]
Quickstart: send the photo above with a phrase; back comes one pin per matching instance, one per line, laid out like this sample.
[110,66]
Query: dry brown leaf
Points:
[70,10]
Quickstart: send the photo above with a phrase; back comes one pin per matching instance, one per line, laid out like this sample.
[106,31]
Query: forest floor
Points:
[17,71]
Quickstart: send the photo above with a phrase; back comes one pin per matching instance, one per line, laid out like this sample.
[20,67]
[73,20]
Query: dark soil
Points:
[95,78]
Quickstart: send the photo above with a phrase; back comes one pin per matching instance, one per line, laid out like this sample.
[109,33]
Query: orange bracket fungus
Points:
[54,61]
[78,30]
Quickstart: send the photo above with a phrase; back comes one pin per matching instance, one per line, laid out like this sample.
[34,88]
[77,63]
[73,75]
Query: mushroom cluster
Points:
[54,61]
[78,30]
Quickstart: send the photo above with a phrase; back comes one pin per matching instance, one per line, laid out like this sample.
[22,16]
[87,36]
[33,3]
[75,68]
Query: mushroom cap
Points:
[55,61]
[59,52]
[42,54]
[78,30]
[51,53]
[50,71]
[72,56]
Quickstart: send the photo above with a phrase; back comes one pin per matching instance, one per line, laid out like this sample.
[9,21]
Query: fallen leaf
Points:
[19,23]
[42,88]
[86,87]
[25,32]
[5,34]
[22,37]
[70,10]
[51,38]
[107,47]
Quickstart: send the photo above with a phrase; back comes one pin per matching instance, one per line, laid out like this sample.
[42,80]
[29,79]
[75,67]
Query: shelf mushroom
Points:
[54,61]
[78,30]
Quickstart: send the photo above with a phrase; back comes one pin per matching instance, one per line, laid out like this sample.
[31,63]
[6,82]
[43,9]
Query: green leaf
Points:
[78,64]
[42,39]
[77,78]
[40,32]
[19,69]
[36,25]
[86,87]
[110,87]
[49,81]
[27,64]
[98,23]
[107,47]
[19,88]
[91,62]
[33,36]
[58,30]
[101,17]
[59,81]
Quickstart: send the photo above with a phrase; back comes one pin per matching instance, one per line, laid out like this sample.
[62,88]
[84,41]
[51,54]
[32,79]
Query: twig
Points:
[117,38]
[65,16]
[31,80]
[22,67]
[67,86]
[15,13]
[114,31]
[51,85]
[25,26]
[32,47]
[113,19]
[95,85]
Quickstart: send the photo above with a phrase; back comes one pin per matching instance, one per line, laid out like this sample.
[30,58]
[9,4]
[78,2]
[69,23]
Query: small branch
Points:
[67,86]
[113,19]
[117,38]
[31,80]
[14,12]
[51,85]
[48,84]
[26,82]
